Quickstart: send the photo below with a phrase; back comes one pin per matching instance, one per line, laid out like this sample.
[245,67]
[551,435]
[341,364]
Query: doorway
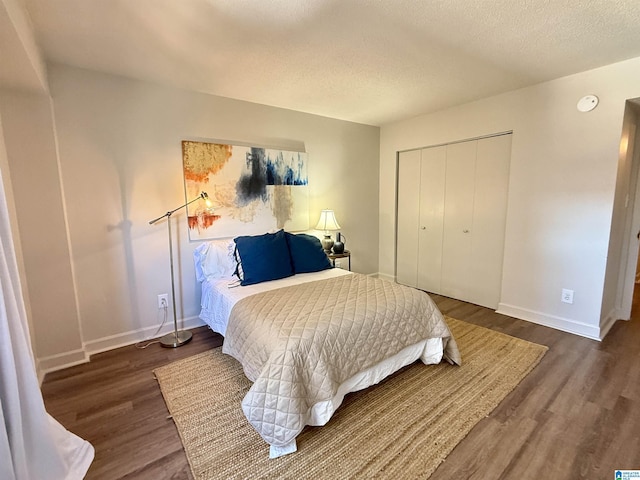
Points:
[629,272]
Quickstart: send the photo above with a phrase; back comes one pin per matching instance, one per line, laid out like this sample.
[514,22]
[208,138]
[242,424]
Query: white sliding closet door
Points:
[432,190]
[458,219]
[452,207]
[408,218]
[489,220]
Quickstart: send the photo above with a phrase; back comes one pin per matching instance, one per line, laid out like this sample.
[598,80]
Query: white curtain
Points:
[33,445]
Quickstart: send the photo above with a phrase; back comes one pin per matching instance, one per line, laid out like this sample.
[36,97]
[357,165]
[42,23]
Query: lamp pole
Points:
[176,338]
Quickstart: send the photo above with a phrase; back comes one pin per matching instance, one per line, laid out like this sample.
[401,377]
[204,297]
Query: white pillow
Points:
[215,259]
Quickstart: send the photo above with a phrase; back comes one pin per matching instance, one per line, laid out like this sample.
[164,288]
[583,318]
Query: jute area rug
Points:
[403,427]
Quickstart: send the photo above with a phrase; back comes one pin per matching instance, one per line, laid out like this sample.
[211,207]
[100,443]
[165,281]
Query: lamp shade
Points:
[327,221]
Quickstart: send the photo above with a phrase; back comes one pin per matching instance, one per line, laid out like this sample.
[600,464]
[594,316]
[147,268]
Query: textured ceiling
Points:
[367,61]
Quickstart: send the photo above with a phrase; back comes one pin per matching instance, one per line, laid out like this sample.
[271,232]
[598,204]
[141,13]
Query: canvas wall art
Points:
[253,190]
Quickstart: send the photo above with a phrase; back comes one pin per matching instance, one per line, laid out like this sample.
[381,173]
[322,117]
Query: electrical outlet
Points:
[338,264]
[163,300]
[567,295]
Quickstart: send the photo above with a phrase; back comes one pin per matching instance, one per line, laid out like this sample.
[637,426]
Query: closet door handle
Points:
[465,231]
[423,228]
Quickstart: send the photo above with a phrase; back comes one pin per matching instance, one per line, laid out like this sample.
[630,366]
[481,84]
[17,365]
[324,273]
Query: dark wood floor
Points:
[576,416]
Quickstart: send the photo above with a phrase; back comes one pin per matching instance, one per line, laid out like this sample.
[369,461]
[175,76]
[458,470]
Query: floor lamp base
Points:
[176,339]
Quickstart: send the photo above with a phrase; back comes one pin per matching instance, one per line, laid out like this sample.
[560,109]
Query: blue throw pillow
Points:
[263,257]
[307,254]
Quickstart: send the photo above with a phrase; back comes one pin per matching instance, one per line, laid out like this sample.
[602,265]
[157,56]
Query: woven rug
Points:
[404,427]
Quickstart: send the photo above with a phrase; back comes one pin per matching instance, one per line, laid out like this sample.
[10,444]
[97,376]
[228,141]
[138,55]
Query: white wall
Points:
[5,172]
[121,166]
[32,159]
[23,68]
[561,191]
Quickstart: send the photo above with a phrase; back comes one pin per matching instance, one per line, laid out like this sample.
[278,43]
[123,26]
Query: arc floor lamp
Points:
[176,338]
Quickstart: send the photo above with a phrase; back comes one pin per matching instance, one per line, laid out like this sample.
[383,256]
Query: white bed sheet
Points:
[218,298]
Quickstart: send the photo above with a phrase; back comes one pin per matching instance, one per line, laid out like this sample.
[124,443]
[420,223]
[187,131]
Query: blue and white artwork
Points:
[253,190]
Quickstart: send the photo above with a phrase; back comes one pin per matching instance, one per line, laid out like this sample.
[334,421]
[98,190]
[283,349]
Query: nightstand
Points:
[333,256]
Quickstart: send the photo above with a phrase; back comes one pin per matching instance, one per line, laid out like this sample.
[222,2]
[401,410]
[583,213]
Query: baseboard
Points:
[59,361]
[559,323]
[607,323]
[77,357]
[385,276]
[128,338]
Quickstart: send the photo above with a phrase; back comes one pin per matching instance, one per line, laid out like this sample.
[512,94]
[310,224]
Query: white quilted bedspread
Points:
[298,344]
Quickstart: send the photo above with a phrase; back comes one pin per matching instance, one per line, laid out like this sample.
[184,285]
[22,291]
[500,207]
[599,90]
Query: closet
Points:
[451,215]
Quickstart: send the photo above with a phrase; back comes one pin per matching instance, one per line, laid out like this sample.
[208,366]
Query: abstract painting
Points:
[253,190]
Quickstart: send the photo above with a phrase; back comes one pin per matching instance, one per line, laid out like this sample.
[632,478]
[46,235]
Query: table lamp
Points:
[327,223]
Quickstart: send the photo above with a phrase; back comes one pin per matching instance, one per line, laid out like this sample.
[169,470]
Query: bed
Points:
[313,333]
